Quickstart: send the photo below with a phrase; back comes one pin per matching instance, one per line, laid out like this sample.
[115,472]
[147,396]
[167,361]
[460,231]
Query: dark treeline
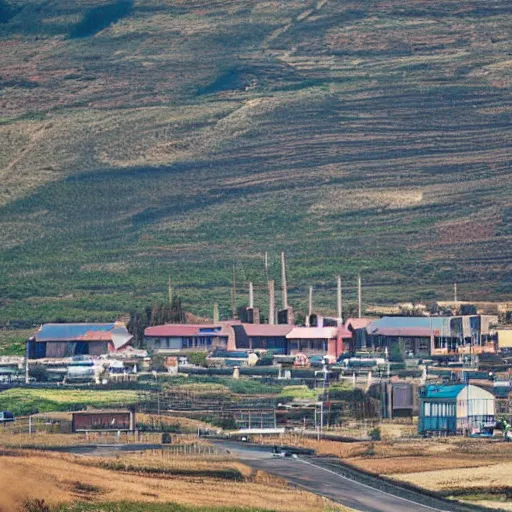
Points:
[160,314]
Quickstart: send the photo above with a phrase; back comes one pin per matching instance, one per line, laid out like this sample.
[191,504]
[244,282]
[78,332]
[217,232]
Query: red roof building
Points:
[332,341]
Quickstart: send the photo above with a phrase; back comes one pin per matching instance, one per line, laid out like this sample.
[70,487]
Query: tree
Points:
[300,318]
[136,326]
[160,314]
[241,312]
[396,353]
[197,358]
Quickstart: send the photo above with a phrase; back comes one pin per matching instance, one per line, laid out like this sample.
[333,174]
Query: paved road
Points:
[305,473]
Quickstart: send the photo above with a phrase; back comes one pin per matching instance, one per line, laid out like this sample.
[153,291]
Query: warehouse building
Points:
[69,340]
[436,336]
[458,409]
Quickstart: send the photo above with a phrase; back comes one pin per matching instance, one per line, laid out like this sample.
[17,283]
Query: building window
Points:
[424,345]
[294,345]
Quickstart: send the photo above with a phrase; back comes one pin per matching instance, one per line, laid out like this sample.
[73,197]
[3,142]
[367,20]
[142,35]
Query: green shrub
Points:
[197,358]
[158,363]
[299,392]
[375,434]
[349,394]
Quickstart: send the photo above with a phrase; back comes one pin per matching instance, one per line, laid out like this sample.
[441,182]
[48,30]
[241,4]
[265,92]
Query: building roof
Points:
[112,332]
[101,411]
[404,331]
[344,333]
[267,330]
[70,332]
[185,330]
[456,391]
[313,333]
[438,391]
[358,323]
[410,325]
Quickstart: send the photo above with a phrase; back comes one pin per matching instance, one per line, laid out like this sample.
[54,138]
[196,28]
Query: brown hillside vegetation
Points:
[367,137]
[58,478]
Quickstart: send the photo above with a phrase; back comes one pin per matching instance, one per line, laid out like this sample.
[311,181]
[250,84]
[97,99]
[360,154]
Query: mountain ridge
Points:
[359,137]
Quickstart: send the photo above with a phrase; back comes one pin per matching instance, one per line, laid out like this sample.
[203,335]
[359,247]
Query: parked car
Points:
[316,361]
[6,417]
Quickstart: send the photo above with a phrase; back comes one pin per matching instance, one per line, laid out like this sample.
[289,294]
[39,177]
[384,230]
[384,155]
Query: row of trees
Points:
[164,313]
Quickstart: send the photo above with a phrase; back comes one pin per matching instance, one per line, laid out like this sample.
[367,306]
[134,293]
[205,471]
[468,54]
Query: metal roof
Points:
[358,323]
[267,330]
[415,325]
[405,331]
[313,333]
[435,391]
[456,391]
[185,330]
[71,332]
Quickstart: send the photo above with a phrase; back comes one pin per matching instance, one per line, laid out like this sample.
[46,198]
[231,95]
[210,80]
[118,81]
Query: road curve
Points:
[305,473]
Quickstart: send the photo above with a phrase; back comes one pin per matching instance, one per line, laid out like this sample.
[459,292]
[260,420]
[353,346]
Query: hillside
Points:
[358,136]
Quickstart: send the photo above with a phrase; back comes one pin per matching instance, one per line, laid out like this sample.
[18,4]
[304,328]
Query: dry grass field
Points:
[60,478]
[474,470]
[368,137]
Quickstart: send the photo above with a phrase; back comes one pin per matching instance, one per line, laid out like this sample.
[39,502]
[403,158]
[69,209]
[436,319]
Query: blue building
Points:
[456,409]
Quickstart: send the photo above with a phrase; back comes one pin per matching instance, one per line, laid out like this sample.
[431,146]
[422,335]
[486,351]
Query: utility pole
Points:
[27,375]
[271,302]
[283,281]
[310,307]
[233,294]
[340,308]
[359,298]
[216,316]
[170,291]
[266,266]
[454,292]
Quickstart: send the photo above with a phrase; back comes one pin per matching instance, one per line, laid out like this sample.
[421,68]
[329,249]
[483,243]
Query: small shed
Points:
[456,409]
[114,420]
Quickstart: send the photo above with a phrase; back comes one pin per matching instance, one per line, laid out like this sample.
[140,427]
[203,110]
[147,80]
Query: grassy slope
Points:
[358,136]
[26,401]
